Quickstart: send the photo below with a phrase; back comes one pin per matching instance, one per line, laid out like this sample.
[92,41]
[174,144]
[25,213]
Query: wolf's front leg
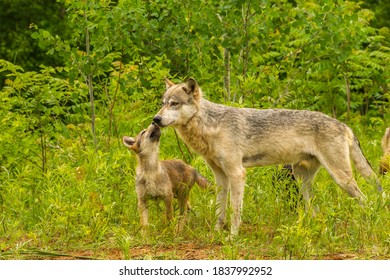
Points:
[222,197]
[237,185]
[222,182]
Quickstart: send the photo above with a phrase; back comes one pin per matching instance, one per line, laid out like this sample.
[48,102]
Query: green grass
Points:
[85,206]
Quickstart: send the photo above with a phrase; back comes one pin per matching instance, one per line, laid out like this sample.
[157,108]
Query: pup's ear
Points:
[168,83]
[193,88]
[128,142]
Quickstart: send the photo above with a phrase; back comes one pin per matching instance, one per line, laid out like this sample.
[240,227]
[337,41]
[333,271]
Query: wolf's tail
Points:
[201,181]
[361,162]
[386,140]
[384,164]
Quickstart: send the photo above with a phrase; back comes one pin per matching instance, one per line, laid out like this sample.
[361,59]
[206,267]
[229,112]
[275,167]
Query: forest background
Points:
[75,76]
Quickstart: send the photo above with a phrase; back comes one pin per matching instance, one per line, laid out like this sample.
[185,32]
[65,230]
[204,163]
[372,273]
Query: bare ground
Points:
[188,251]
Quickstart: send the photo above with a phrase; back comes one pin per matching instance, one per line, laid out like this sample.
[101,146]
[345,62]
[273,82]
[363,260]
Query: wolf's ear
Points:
[128,141]
[193,88]
[168,83]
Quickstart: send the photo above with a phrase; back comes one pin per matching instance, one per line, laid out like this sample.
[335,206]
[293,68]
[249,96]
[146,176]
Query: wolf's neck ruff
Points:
[197,131]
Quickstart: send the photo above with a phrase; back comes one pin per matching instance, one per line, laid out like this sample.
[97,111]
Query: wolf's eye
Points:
[173,104]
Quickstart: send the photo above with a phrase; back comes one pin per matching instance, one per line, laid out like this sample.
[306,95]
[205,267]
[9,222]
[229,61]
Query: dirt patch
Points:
[179,251]
[341,257]
[182,251]
[188,251]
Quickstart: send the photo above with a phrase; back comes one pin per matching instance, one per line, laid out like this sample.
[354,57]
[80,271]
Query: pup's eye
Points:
[143,132]
[173,104]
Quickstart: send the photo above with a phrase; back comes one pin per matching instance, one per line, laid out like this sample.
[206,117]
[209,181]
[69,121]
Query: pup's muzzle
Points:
[156,133]
[157,120]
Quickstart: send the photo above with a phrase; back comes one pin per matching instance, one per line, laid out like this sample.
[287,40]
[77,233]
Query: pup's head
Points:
[180,103]
[146,141]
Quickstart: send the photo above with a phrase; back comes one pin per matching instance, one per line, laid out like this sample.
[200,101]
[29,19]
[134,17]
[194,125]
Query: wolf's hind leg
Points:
[339,167]
[305,171]
[346,181]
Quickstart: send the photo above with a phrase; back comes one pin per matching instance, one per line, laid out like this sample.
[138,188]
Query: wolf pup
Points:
[384,165]
[231,139]
[161,179]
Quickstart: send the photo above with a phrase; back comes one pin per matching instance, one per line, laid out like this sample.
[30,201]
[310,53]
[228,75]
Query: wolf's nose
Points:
[157,120]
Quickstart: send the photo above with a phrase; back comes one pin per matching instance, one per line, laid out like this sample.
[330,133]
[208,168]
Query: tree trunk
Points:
[89,81]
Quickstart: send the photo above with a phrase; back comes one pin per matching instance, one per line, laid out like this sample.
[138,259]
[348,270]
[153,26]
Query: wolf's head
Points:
[147,141]
[180,103]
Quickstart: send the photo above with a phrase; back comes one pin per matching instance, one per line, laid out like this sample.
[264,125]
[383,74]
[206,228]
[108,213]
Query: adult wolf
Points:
[231,139]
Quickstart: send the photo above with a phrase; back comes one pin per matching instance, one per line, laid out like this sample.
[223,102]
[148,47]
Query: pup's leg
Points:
[143,213]
[168,207]
[222,182]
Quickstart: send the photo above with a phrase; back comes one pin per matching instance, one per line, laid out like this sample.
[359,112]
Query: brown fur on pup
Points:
[163,179]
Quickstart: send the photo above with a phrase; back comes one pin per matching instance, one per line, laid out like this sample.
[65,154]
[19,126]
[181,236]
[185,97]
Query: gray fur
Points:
[231,139]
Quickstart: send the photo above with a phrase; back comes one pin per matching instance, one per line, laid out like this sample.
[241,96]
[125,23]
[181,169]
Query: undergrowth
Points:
[86,201]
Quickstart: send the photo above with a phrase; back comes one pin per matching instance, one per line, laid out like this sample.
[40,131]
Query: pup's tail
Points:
[361,162]
[201,181]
